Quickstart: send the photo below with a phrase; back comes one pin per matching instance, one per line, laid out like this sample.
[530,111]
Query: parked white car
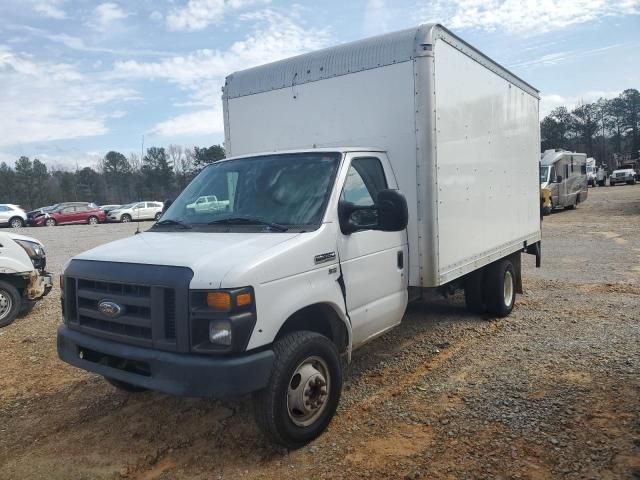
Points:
[23,279]
[12,215]
[208,203]
[624,175]
[136,211]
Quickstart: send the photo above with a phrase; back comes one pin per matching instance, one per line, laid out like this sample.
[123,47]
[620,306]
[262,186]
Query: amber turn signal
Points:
[219,301]
[243,299]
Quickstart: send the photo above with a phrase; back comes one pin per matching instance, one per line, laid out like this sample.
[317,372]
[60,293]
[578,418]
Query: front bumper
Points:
[180,374]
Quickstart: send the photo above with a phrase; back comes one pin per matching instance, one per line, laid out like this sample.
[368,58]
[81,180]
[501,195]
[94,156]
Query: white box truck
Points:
[359,176]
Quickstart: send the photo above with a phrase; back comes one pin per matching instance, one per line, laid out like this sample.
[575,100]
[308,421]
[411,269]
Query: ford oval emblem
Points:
[110,309]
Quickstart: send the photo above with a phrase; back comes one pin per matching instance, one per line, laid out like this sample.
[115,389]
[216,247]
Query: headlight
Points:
[220,332]
[33,249]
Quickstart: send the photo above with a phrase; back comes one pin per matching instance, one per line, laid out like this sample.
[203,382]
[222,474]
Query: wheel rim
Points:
[16,223]
[5,304]
[93,220]
[50,223]
[126,219]
[508,288]
[308,391]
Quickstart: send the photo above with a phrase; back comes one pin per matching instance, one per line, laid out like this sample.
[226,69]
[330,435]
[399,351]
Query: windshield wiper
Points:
[177,223]
[248,221]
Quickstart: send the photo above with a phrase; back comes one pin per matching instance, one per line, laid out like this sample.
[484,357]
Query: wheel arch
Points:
[321,318]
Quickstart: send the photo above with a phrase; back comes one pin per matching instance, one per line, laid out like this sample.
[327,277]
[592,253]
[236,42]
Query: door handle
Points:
[400,260]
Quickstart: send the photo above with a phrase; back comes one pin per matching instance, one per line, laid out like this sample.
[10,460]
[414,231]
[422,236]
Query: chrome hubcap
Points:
[16,224]
[308,391]
[5,304]
[50,223]
[508,288]
[93,221]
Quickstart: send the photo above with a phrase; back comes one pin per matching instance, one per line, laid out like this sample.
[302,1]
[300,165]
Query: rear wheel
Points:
[9,303]
[50,222]
[92,221]
[500,287]
[125,218]
[16,222]
[157,217]
[303,391]
[127,387]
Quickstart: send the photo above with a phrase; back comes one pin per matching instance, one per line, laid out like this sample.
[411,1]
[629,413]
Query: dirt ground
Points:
[553,391]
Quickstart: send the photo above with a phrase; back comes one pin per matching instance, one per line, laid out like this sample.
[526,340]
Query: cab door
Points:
[373,263]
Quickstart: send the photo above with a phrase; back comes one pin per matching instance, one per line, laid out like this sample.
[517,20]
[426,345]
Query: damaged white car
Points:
[23,278]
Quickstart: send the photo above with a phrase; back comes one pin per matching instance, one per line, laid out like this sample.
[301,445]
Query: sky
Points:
[79,78]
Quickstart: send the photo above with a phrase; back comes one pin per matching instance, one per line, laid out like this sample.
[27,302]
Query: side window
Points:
[139,206]
[4,209]
[69,210]
[553,175]
[364,180]
[566,170]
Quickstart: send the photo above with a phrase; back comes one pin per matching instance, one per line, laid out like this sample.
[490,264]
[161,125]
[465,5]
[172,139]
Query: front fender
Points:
[277,300]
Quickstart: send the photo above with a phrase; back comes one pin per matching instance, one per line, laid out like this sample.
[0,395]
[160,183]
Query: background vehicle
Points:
[565,174]
[591,172]
[208,203]
[626,175]
[136,211]
[23,279]
[107,208]
[12,215]
[70,215]
[322,244]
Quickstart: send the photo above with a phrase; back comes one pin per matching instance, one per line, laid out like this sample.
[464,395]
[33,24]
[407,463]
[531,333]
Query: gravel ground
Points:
[550,392]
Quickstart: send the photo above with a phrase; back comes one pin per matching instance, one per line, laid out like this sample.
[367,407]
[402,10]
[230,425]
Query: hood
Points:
[15,236]
[208,253]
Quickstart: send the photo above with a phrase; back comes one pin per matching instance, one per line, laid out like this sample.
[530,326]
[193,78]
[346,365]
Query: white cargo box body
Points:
[460,131]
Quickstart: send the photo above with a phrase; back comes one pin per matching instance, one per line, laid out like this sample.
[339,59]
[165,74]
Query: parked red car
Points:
[70,214]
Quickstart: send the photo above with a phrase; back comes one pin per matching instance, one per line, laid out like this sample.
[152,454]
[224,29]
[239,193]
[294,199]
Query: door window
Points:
[4,209]
[365,179]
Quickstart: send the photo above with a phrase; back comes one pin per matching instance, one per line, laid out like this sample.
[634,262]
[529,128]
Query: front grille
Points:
[151,303]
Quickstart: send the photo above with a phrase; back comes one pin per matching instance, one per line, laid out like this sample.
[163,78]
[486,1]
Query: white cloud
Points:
[50,8]
[199,14]
[44,101]
[525,16]
[201,122]
[553,100]
[551,59]
[202,72]
[105,14]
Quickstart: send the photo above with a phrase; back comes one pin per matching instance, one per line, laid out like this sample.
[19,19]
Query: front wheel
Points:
[16,222]
[303,391]
[126,218]
[500,288]
[93,220]
[157,217]
[9,303]
[50,222]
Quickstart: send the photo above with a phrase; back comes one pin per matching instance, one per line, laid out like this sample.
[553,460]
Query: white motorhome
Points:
[565,174]
[359,176]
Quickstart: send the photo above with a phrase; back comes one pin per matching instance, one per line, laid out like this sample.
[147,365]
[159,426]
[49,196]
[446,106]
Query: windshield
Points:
[544,173]
[289,190]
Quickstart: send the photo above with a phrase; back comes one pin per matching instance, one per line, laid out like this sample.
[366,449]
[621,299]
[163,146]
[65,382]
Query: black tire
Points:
[157,217]
[495,278]
[50,222]
[473,292]
[271,405]
[125,218]
[127,387]
[10,302]
[26,308]
[93,220]
[16,222]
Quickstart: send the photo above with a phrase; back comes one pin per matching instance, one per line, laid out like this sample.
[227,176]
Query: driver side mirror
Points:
[388,214]
[559,179]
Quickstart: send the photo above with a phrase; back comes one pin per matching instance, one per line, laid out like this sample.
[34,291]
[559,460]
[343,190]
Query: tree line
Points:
[607,130]
[117,179]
